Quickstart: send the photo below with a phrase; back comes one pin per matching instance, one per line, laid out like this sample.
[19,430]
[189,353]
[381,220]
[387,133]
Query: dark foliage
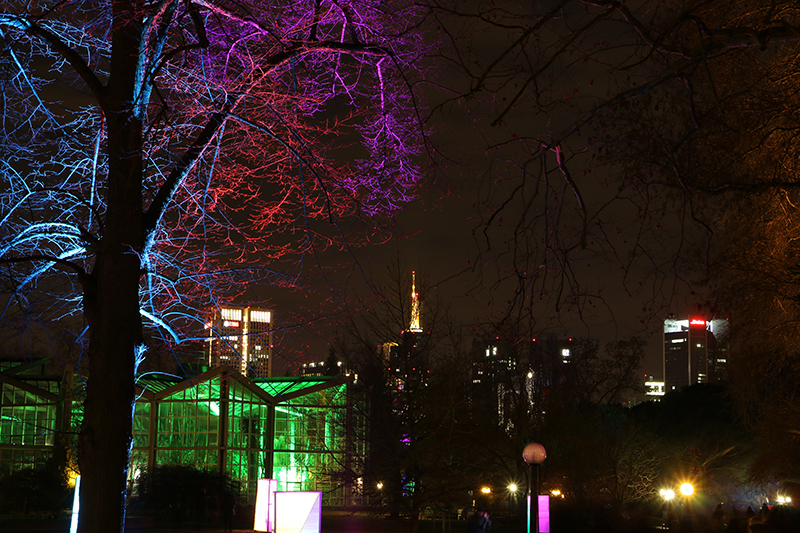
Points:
[177,494]
[36,490]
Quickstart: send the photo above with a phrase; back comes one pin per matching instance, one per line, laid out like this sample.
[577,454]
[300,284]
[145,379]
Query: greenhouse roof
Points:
[271,390]
[153,386]
[284,387]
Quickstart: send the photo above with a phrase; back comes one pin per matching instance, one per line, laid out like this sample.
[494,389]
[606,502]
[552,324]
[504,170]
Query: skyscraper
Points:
[407,359]
[241,337]
[695,351]
[415,324]
[511,378]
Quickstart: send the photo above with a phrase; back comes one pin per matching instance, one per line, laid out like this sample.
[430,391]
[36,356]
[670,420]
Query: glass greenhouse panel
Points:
[26,419]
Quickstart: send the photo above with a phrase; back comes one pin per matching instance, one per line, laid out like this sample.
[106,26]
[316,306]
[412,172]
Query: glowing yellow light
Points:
[556,493]
[486,490]
[687,489]
[668,494]
[380,485]
[512,488]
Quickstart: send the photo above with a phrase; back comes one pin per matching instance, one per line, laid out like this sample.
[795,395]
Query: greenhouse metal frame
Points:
[301,431]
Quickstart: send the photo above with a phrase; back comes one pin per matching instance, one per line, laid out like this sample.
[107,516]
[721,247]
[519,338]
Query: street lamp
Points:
[533,454]
[687,489]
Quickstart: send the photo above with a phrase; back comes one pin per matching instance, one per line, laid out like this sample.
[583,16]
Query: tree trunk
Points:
[111,296]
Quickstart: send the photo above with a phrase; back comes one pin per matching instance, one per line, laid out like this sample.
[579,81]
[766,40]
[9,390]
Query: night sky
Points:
[444,242]
[477,164]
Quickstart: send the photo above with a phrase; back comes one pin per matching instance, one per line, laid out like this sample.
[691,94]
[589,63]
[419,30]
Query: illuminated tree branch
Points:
[160,153]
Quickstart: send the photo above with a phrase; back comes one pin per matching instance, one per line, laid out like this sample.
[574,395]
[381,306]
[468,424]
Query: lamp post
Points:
[534,454]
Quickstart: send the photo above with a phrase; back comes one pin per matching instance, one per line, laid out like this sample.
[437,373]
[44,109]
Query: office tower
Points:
[550,360]
[654,390]
[241,337]
[510,378]
[695,351]
[495,381]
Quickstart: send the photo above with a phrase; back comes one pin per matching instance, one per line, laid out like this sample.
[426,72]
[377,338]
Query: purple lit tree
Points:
[158,157]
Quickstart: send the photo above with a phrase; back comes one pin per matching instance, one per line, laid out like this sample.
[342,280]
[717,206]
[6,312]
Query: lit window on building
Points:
[260,316]
[231,314]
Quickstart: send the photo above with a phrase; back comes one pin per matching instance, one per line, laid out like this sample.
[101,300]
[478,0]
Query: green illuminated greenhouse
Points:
[300,431]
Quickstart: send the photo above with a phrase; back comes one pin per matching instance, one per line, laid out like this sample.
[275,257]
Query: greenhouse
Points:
[299,431]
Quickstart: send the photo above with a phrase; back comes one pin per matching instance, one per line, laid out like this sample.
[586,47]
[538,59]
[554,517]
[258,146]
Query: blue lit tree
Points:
[158,156]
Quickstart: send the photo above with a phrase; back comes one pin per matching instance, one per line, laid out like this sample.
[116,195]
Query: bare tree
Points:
[554,86]
[159,156]
[608,378]
[412,381]
[631,463]
[643,149]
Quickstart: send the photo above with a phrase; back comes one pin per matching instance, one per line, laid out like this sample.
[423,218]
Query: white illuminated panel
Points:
[298,512]
[76,506]
[544,513]
[265,505]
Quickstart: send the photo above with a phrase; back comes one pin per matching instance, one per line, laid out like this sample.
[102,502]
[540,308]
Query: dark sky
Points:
[440,228]
[444,241]
[441,247]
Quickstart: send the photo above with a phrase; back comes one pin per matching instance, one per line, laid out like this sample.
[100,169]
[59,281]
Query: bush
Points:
[36,490]
[180,493]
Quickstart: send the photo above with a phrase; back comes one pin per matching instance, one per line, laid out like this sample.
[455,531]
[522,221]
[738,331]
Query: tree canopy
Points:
[158,157]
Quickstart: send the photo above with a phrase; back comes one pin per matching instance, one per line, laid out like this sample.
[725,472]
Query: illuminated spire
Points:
[415,312]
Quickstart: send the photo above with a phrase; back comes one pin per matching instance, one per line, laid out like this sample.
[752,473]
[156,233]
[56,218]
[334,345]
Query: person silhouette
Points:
[479,521]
